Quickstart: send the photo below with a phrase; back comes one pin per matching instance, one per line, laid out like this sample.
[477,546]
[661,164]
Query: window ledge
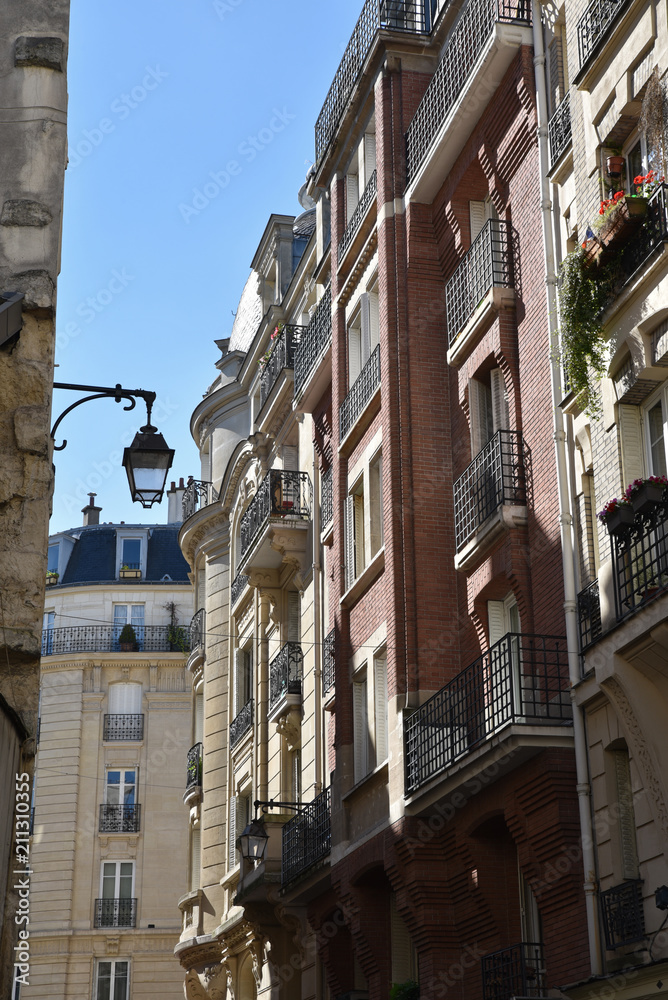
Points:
[378,773]
[485,313]
[364,580]
[505,517]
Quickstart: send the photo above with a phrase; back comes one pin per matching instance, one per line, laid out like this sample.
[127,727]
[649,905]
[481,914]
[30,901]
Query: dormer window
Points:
[131,555]
[52,564]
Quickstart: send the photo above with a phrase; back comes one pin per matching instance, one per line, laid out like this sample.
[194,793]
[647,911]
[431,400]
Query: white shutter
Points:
[231,848]
[195,858]
[369,156]
[480,415]
[500,417]
[360,729]
[199,718]
[380,695]
[354,355]
[400,946]
[349,528]
[627,823]
[360,555]
[294,616]
[630,432]
[125,699]
[376,504]
[352,195]
[296,776]
[290,458]
[374,321]
[477,216]
[365,325]
[496,617]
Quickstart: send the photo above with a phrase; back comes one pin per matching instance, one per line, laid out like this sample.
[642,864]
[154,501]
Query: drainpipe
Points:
[317,629]
[565,516]
[262,704]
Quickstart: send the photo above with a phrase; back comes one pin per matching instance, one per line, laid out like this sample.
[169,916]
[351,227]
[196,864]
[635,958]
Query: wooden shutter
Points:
[352,195]
[400,946]
[360,560]
[231,848]
[365,327]
[380,697]
[360,728]
[374,322]
[294,617]
[369,156]
[195,858]
[296,768]
[199,718]
[354,355]
[630,432]
[349,528]
[477,217]
[500,416]
[480,415]
[238,680]
[627,822]
[496,617]
[290,458]
[376,504]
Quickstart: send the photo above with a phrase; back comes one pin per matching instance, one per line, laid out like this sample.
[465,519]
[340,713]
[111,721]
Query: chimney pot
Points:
[90,512]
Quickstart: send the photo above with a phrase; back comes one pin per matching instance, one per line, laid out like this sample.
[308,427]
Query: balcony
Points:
[315,340]
[597,22]
[326,498]
[239,584]
[115,913]
[364,204]
[198,629]
[481,285]
[362,392]
[123,727]
[589,616]
[119,818]
[193,790]
[522,680]
[285,675]
[559,131]
[518,971]
[494,480]
[623,915]
[105,639]
[640,559]
[328,664]
[481,47]
[644,240]
[275,525]
[241,724]
[307,838]
[392,15]
[198,494]
[281,359]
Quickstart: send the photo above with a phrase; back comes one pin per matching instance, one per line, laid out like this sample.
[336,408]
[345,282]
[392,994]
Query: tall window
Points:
[240,813]
[52,564]
[121,787]
[243,678]
[370,716]
[129,614]
[131,553]
[628,848]
[656,433]
[117,879]
[47,634]
[363,519]
[363,335]
[112,981]
[354,532]
[488,408]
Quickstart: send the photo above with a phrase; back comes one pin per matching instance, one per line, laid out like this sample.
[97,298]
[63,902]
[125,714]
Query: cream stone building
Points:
[109,842]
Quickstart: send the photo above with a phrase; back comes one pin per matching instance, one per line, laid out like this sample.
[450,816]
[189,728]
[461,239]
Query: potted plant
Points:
[614,163]
[617,515]
[645,494]
[177,637]
[51,577]
[127,640]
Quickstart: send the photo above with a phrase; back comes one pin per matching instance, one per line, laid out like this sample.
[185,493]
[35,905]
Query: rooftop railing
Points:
[559,130]
[596,24]
[281,494]
[518,971]
[361,392]
[487,264]
[495,477]
[282,356]
[197,494]
[623,915]
[106,639]
[362,207]
[307,838]
[285,673]
[314,341]
[241,723]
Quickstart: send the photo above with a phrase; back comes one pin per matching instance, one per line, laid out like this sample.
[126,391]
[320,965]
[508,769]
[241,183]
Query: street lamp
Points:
[252,842]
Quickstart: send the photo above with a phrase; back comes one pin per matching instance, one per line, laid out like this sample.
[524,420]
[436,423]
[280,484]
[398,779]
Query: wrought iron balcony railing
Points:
[651,235]
[239,584]
[559,130]
[328,663]
[123,727]
[307,838]
[488,264]
[521,680]
[281,494]
[115,913]
[394,15]
[119,818]
[623,915]
[361,392]
[326,497]
[596,24]
[197,494]
[363,205]
[314,341]
[106,639]
[640,559]
[241,723]
[495,477]
[194,767]
[467,40]
[198,629]
[518,971]
[282,356]
[286,672]
[589,615]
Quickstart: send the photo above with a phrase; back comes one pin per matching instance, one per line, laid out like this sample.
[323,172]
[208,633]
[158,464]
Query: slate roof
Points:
[93,557]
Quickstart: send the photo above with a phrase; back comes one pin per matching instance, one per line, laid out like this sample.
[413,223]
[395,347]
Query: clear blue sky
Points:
[163,94]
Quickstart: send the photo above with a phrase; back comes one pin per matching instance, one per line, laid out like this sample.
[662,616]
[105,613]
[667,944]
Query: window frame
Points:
[113,962]
[122,784]
[131,534]
[364,530]
[660,395]
[117,877]
[371,742]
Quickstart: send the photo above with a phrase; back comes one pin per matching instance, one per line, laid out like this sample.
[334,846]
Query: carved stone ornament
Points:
[290,726]
[195,990]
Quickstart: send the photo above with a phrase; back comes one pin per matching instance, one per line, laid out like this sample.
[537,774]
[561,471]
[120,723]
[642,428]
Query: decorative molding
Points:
[289,726]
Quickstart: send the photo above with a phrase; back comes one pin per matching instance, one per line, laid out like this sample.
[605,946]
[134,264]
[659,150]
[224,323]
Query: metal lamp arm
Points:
[275,804]
[117,393]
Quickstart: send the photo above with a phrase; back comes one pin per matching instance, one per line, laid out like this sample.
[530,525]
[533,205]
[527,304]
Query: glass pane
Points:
[125,888]
[52,564]
[109,880]
[635,166]
[129,790]
[103,981]
[132,552]
[137,614]
[113,787]
[121,981]
[656,440]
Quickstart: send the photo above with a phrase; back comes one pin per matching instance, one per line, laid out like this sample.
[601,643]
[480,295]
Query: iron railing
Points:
[328,663]
[487,264]
[623,915]
[314,340]
[307,838]
[394,15]
[589,616]
[105,639]
[197,494]
[361,392]
[194,767]
[198,629]
[119,818]
[559,130]
[596,24]
[363,205]
[518,971]
[238,586]
[326,497]
[115,913]
[467,40]
[241,723]
[123,727]
[640,559]
[651,235]
[281,494]
[286,672]
[522,679]
[282,356]
[496,476]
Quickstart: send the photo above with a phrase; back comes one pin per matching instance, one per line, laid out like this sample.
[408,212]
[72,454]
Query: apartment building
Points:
[109,845]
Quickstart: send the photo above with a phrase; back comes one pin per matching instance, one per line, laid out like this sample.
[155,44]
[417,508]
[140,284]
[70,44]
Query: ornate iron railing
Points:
[286,672]
[314,340]
[123,727]
[596,23]
[238,586]
[241,723]
[281,494]
[326,497]
[363,205]
[518,971]
[197,494]
[640,559]
[361,392]
[328,663]
[559,130]
[194,767]
[467,40]
[307,838]
[496,476]
[198,629]
[623,915]
[105,639]
[115,913]
[651,235]
[119,818]
[589,615]
[487,264]
[282,356]
[522,679]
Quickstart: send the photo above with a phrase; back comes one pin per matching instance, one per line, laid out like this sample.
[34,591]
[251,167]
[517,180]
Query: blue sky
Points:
[190,122]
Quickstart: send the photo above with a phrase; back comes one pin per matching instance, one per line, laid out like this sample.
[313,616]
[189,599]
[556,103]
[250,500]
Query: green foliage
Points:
[582,298]
[128,634]
[177,637]
[410,990]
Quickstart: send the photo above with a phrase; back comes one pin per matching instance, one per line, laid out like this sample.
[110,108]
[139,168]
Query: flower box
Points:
[130,574]
[619,519]
[51,581]
[646,497]
[623,221]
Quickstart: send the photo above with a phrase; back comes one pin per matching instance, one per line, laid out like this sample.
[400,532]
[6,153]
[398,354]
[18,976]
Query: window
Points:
[354,533]
[195,857]
[363,335]
[240,814]
[131,553]
[488,408]
[47,634]
[243,678]
[370,716]
[363,517]
[296,776]
[52,564]
[129,614]
[125,698]
[656,433]
[120,788]
[376,504]
[502,686]
[112,981]
[628,849]
[116,906]
[294,616]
